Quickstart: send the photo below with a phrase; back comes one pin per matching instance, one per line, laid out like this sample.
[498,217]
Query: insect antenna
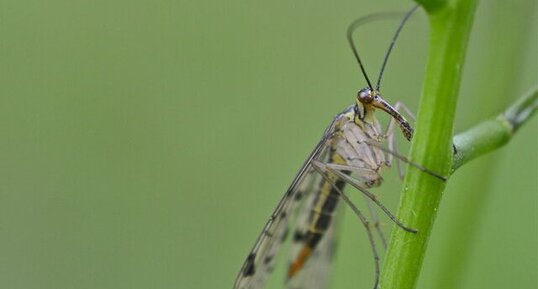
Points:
[349,33]
[356,24]
[402,23]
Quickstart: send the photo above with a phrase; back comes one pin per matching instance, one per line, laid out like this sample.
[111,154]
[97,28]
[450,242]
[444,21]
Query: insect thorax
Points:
[353,143]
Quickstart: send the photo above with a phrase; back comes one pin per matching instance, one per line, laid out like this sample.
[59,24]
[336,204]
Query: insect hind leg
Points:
[337,170]
[361,217]
[376,222]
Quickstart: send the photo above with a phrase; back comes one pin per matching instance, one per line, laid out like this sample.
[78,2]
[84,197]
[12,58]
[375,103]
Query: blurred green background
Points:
[145,143]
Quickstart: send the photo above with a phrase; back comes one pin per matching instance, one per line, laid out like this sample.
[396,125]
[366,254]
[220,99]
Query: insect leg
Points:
[393,145]
[406,109]
[389,135]
[392,150]
[361,217]
[376,222]
[411,115]
[406,160]
[337,170]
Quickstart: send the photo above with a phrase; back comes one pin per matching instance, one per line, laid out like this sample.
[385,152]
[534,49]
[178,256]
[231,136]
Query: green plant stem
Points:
[492,134]
[431,147]
[432,5]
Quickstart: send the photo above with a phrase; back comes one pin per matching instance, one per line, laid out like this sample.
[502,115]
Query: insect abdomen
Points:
[320,219]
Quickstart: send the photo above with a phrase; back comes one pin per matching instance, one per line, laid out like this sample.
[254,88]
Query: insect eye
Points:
[364,96]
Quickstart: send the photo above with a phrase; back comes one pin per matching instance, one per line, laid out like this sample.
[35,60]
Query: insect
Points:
[349,153]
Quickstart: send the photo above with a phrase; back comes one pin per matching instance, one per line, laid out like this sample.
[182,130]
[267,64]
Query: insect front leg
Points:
[392,149]
[391,140]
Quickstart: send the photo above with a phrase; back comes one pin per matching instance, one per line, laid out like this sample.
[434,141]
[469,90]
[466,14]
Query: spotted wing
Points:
[315,273]
[261,260]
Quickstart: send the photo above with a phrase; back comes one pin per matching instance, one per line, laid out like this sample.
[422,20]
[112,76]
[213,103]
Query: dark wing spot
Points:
[249,266]
[267,259]
[283,215]
[299,236]
[298,195]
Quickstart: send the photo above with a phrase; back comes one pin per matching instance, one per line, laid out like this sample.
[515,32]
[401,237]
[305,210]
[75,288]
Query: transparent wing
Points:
[315,273]
[260,262]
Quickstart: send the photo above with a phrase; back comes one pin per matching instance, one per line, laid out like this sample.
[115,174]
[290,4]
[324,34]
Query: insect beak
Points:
[382,104]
